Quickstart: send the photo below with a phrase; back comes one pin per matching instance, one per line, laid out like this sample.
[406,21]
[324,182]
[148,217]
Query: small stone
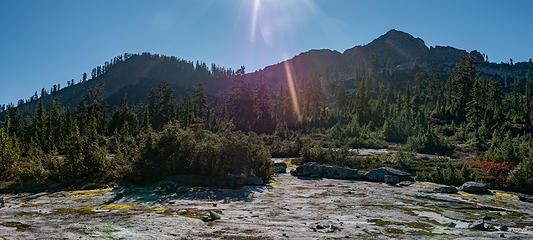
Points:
[214,204]
[171,202]
[205,219]
[214,215]
[502,235]
[504,228]
[452,225]
[182,211]
[405,183]
[478,225]
[487,218]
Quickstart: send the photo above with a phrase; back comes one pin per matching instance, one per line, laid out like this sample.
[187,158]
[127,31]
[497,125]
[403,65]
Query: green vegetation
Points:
[479,129]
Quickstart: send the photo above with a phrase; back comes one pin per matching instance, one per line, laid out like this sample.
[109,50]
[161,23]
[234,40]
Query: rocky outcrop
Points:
[525,198]
[474,187]
[280,167]
[378,175]
[313,169]
[339,172]
[446,189]
[391,179]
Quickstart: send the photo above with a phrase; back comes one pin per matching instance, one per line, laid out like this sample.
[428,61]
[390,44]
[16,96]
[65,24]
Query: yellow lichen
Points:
[32,205]
[289,163]
[504,195]
[118,206]
[271,182]
[85,193]
[82,210]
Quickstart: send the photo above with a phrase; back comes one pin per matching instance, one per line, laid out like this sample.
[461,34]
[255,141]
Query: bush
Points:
[428,142]
[500,171]
[195,151]
[400,159]
[285,148]
[453,174]
[523,173]
[332,156]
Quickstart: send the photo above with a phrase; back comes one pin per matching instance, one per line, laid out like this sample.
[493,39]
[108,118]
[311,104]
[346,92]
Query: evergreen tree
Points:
[241,102]
[162,105]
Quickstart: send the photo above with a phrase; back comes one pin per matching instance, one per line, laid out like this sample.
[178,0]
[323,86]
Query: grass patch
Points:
[81,210]
[195,213]
[417,225]
[21,227]
[29,213]
[32,205]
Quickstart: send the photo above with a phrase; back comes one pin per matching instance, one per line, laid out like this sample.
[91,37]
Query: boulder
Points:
[339,172]
[391,179]
[405,183]
[214,215]
[378,175]
[452,225]
[474,187]
[525,198]
[421,179]
[311,169]
[481,225]
[280,167]
[446,189]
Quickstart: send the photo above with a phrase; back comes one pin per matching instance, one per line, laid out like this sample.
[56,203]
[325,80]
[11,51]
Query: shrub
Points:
[523,173]
[498,170]
[453,174]
[333,156]
[195,151]
[429,142]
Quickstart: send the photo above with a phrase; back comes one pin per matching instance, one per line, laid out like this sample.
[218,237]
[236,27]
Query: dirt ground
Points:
[289,207]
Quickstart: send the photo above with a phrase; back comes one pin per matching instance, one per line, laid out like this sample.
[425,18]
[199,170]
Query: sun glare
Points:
[292,89]
[254,19]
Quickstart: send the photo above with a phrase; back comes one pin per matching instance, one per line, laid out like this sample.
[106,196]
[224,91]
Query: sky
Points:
[48,42]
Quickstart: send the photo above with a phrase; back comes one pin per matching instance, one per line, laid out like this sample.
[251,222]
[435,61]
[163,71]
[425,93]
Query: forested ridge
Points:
[146,117]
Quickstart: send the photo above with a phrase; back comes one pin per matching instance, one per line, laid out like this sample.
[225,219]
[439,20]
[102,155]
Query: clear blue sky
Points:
[48,42]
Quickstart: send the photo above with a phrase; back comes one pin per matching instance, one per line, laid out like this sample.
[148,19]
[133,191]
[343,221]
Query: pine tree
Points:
[162,105]
[241,102]
[461,79]
[475,107]
[200,102]
[262,105]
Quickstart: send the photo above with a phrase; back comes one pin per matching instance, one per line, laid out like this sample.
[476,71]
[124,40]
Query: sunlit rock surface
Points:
[288,207]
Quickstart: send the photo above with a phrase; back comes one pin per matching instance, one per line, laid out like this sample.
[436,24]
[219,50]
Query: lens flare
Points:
[254,19]
[292,90]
